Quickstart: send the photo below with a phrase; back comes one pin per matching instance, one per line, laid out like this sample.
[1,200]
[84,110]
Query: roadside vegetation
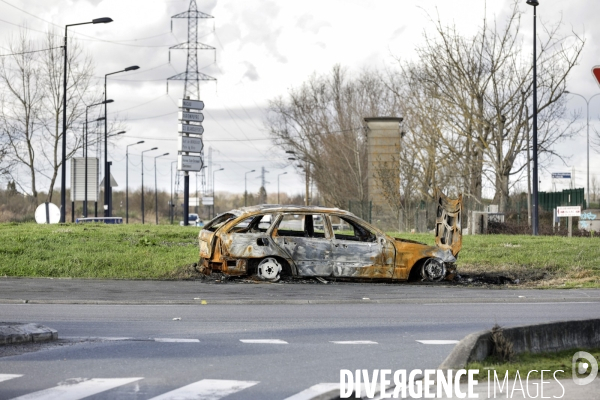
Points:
[169,252]
[553,361]
[542,261]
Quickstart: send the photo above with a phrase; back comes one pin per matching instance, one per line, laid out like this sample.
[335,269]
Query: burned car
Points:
[270,241]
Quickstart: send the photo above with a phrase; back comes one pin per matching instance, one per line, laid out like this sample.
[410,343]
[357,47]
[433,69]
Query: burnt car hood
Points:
[448,231]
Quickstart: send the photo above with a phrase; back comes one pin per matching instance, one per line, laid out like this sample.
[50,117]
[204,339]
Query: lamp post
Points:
[85,154]
[213,188]
[535,204]
[156,188]
[306,168]
[106,167]
[154,148]
[246,187]
[127,179]
[63,173]
[283,173]
[587,102]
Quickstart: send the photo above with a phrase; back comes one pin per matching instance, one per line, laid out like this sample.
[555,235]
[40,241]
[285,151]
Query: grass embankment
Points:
[526,362]
[542,261]
[96,250]
[164,251]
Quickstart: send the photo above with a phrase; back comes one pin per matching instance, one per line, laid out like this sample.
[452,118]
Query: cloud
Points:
[251,72]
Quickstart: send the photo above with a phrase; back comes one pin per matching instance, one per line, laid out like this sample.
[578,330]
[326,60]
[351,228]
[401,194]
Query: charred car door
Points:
[306,240]
[360,252]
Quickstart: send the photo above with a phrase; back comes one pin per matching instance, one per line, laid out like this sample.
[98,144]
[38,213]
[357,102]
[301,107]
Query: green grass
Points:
[526,362]
[96,250]
[552,261]
[157,252]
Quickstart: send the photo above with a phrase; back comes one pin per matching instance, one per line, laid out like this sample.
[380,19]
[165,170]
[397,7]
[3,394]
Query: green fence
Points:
[569,197]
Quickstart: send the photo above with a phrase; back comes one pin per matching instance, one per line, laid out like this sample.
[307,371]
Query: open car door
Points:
[448,232]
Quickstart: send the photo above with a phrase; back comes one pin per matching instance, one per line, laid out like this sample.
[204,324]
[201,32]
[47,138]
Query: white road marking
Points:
[206,389]
[316,390]
[354,342]
[264,341]
[170,340]
[77,388]
[6,377]
[438,341]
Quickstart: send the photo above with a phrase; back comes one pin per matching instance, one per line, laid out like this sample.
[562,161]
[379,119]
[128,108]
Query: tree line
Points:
[466,101]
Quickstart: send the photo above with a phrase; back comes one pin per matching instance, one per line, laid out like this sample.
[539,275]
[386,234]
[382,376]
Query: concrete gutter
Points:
[14,332]
[553,336]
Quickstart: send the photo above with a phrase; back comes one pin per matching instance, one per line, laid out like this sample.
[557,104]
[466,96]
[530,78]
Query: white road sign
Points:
[188,128]
[189,163]
[193,104]
[190,116]
[190,144]
[571,211]
[208,201]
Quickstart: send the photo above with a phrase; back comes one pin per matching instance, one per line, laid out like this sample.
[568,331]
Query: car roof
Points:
[286,208]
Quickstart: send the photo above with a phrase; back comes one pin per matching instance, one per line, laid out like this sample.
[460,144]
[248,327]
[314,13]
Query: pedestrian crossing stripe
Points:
[205,389]
[75,390]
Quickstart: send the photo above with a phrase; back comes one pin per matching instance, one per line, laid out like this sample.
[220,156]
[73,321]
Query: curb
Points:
[553,336]
[305,301]
[14,332]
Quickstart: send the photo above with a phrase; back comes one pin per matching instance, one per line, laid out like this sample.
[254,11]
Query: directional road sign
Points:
[190,116]
[189,163]
[190,144]
[188,128]
[192,104]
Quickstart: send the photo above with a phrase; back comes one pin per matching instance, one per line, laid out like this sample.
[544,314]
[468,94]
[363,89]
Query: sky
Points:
[263,48]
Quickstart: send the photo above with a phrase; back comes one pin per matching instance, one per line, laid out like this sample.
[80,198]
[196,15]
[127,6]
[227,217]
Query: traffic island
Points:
[15,332]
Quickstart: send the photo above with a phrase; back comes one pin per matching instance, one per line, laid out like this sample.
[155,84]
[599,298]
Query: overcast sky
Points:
[263,48]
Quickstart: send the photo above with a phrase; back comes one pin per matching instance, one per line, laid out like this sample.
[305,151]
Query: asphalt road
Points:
[159,348]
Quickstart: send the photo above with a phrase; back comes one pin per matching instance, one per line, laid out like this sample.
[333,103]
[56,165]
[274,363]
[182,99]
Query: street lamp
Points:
[156,188]
[283,173]
[85,154]
[154,148]
[246,187]
[213,188]
[535,204]
[306,168]
[63,173]
[587,102]
[127,179]
[106,166]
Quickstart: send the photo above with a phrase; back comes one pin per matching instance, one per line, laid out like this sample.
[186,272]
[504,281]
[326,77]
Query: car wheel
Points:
[433,270]
[269,269]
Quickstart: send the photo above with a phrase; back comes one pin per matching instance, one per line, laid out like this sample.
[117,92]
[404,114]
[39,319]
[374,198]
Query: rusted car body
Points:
[272,240]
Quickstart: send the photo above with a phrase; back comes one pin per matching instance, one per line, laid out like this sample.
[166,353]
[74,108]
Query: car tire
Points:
[433,270]
[269,269]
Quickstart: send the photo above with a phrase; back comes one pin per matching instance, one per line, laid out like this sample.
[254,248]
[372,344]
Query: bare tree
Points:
[21,104]
[483,84]
[322,123]
[32,105]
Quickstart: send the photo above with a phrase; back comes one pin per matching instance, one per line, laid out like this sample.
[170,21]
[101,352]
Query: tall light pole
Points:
[85,154]
[154,148]
[587,102]
[63,173]
[127,179]
[535,203]
[213,189]
[106,166]
[246,187]
[156,188]
[283,173]
[172,206]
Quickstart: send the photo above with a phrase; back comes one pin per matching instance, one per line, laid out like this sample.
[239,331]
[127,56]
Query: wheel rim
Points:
[269,269]
[433,270]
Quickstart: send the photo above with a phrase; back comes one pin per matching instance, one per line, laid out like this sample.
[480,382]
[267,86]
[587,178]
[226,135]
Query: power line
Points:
[32,51]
